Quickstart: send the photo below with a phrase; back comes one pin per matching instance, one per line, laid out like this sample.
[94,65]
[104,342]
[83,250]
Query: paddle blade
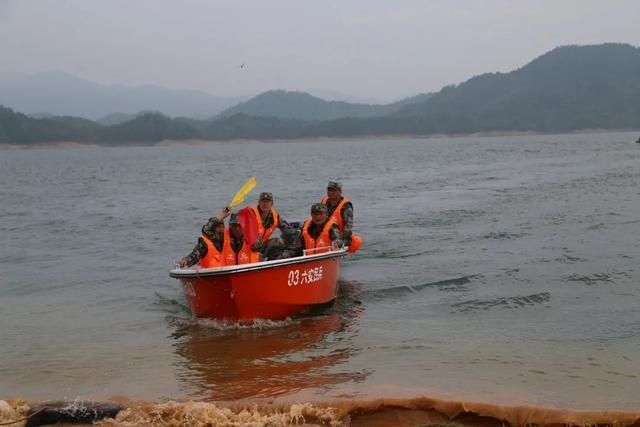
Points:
[249,224]
[246,189]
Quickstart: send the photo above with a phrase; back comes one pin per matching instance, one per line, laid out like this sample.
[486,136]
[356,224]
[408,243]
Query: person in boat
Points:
[268,219]
[235,249]
[320,231]
[292,240]
[208,250]
[340,209]
[288,245]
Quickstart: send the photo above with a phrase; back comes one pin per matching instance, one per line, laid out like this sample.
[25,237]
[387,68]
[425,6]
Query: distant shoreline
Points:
[179,142]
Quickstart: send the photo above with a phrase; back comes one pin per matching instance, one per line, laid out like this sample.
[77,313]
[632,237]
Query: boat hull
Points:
[268,290]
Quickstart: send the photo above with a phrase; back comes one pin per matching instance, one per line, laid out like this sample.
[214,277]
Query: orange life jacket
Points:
[263,233]
[244,256]
[213,258]
[323,240]
[337,215]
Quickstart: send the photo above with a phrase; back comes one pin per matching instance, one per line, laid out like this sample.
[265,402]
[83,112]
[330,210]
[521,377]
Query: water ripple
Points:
[503,302]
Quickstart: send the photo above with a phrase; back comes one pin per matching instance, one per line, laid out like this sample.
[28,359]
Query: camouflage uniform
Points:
[288,245]
[347,219]
[316,230]
[236,244]
[346,212]
[200,250]
[268,222]
[334,233]
[271,247]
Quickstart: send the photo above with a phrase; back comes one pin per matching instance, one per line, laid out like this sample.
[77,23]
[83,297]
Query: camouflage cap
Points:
[234,219]
[335,185]
[266,196]
[318,208]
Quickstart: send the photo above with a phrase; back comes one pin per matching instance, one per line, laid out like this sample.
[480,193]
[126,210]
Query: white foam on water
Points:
[259,324]
[231,325]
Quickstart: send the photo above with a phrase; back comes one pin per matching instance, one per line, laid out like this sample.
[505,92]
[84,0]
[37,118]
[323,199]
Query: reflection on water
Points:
[224,363]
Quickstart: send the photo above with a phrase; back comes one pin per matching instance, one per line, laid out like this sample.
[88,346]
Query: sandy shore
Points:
[175,142]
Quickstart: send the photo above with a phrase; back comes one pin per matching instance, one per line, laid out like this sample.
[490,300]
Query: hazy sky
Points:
[367,49]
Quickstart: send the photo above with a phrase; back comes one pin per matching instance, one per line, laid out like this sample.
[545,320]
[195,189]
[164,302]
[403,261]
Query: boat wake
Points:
[170,304]
[230,325]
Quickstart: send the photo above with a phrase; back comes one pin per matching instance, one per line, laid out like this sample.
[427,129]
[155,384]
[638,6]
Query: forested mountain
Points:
[303,106]
[20,128]
[117,118]
[569,88]
[62,94]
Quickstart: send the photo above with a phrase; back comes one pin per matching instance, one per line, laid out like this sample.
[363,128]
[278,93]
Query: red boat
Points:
[263,290]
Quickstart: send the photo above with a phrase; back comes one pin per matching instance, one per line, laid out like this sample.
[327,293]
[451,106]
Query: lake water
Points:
[502,270]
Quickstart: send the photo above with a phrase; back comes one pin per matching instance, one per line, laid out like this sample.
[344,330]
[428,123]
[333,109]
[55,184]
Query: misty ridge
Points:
[55,93]
[567,89]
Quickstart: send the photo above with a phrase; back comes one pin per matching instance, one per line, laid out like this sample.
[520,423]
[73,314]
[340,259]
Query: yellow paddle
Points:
[246,189]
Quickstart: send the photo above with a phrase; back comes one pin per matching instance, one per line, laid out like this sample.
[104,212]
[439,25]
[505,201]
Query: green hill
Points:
[568,88]
[302,106]
[22,129]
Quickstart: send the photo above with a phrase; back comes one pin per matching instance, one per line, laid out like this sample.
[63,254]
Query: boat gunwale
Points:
[179,273]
